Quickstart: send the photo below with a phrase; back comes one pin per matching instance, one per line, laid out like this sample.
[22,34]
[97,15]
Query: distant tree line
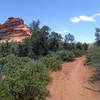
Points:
[41,42]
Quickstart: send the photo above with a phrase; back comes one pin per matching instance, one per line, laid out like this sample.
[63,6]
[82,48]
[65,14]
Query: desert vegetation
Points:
[25,66]
[93,57]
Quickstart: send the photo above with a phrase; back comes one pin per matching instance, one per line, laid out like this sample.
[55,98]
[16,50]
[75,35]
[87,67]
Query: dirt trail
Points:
[71,83]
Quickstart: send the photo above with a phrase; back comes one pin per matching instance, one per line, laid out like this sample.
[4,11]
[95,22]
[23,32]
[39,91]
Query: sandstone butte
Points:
[15,29]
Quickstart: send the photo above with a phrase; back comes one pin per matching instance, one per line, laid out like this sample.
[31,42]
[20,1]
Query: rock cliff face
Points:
[15,28]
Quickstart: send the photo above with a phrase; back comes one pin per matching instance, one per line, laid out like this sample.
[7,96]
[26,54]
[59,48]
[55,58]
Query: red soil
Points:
[71,83]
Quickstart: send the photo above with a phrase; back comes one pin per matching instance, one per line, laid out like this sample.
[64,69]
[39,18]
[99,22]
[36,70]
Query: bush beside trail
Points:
[67,55]
[25,80]
[52,63]
[93,59]
[78,52]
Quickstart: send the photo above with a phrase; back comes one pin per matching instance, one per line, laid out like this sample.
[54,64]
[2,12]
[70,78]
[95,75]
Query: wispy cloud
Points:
[85,18]
[98,14]
[63,30]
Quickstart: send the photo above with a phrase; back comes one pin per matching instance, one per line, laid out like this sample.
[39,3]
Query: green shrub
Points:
[93,59]
[53,54]
[24,80]
[78,52]
[51,63]
[66,55]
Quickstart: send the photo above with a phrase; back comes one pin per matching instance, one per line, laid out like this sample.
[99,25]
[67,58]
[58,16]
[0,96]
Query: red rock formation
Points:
[15,28]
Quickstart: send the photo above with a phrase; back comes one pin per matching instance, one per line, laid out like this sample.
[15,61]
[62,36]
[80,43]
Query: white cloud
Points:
[63,30]
[85,18]
[75,19]
[97,14]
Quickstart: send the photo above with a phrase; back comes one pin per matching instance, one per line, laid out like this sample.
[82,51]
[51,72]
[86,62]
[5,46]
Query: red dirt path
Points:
[71,83]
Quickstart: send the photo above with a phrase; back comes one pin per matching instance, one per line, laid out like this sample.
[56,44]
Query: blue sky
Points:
[79,17]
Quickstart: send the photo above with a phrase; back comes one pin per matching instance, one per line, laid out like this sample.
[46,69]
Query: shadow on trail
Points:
[92,89]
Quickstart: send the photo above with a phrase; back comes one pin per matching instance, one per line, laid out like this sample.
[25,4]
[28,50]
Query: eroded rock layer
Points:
[15,28]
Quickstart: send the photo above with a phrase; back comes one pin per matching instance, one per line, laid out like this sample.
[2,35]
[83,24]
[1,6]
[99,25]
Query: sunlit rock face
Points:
[15,29]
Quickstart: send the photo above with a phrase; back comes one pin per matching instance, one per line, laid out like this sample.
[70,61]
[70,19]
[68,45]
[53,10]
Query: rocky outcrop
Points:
[15,28]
